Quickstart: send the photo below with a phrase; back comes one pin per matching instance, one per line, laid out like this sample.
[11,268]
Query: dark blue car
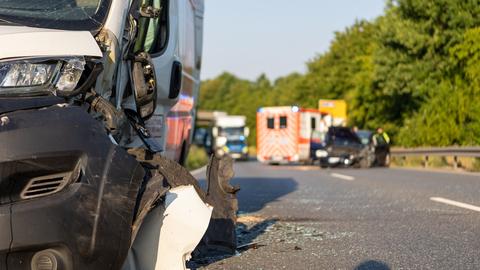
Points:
[339,146]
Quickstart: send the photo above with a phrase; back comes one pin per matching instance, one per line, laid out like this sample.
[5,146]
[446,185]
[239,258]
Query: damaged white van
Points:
[97,101]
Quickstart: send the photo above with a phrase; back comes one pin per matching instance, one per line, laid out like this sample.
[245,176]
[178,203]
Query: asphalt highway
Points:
[298,217]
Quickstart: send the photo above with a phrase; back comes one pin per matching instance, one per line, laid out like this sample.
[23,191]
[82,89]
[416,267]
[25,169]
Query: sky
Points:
[275,37]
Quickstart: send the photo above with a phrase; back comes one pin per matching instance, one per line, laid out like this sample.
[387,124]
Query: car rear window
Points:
[345,137]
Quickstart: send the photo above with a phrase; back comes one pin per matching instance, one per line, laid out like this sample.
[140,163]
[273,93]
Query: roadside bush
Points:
[197,158]
[476,165]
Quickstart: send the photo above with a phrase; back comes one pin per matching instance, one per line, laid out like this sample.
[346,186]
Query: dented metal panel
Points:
[82,219]
[14,104]
[17,42]
[5,235]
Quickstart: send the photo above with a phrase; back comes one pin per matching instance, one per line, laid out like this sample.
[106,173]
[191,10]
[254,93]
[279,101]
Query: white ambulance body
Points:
[284,133]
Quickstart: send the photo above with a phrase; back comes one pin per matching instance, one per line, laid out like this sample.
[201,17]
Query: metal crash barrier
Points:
[427,152]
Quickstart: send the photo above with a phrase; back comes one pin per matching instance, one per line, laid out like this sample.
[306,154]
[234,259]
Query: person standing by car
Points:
[381,133]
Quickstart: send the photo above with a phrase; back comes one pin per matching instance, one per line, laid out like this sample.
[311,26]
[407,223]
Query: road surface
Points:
[296,217]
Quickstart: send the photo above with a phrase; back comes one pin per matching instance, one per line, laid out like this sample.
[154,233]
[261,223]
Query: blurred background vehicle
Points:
[378,147]
[284,133]
[334,111]
[230,136]
[339,146]
[222,134]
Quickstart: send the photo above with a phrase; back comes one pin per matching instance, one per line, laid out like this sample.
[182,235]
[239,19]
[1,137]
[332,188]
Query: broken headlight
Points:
[30,77]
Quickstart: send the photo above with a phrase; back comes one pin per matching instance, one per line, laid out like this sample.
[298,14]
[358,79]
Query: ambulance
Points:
[284,133]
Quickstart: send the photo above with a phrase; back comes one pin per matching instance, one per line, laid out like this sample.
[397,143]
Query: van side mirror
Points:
[247,131]
[144,85]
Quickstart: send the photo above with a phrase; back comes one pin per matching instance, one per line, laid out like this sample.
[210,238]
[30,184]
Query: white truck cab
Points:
[230,134]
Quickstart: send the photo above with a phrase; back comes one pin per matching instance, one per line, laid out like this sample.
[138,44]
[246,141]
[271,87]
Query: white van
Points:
[83,85]
[150,50]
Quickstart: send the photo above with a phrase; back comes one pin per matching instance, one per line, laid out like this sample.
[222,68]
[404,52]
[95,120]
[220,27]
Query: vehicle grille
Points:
[45,185]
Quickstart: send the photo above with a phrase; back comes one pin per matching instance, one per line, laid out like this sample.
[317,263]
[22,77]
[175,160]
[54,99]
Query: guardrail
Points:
[427,152]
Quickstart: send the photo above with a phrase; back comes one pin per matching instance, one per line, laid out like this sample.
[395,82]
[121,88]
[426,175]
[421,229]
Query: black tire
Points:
[367,159]
[387,160]
[308,162]
[365,163]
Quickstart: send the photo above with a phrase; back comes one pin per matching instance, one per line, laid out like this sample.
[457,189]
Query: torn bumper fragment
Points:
[170,234]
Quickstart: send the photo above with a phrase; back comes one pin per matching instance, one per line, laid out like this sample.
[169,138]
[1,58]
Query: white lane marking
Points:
[343,177]
[455,203]
[199,171]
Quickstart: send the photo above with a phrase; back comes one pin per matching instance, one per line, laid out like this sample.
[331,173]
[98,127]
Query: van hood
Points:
[20,41]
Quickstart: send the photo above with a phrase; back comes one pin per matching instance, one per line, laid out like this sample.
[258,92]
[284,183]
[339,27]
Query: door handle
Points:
[175,80]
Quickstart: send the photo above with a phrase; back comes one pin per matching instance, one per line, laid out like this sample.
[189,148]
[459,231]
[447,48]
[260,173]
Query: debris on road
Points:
[220,237]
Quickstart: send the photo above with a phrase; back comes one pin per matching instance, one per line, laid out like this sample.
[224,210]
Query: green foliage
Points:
[415,71]
[197,158]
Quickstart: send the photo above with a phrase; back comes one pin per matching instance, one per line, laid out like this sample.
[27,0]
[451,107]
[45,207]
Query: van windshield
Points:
[55,14]
[232,133]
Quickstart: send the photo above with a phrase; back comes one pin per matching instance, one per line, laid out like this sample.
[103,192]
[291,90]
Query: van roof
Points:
[286,108]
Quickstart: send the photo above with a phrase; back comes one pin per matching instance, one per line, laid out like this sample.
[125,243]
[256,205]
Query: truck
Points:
[97,101]
[230,136]
[334,112]
[222,134]
[284,133]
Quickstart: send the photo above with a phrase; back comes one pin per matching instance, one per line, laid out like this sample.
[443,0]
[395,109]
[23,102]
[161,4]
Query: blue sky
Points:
[275,37]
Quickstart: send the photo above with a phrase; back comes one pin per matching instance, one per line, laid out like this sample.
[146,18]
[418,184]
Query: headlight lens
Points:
[37,77]
[70,74]
[25,74]
[321,153]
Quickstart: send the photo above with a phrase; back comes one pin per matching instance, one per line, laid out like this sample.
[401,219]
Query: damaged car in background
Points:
[97,101]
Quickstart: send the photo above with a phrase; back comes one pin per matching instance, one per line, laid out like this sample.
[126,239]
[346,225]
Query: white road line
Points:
[457,204]
[343,177]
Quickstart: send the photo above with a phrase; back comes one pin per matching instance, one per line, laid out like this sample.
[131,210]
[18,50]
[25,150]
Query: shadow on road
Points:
[372,265]
[246,236]
[254,195]
[256,192]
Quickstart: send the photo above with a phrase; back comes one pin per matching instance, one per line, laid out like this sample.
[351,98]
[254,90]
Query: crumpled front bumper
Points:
[89,222]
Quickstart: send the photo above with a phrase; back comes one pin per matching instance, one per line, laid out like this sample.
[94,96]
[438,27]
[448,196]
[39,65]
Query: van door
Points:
[157,44]
[180,118]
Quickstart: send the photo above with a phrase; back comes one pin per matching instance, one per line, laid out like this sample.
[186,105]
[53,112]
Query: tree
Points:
[415,71]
